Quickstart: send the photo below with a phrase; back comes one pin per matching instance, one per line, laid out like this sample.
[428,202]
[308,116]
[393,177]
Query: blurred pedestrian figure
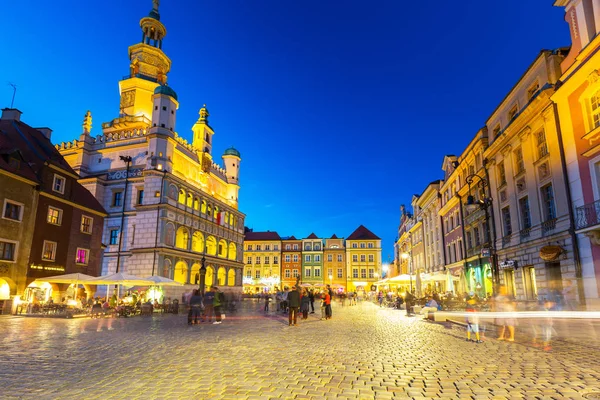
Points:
[380,298]
[209,298]
[327,305]
[330,293]
[284,300]
[195,308]
[569,296]
[218,301]
[409,299]
[323,306]
[506,323]
[267,301]
[542,327]
[311,296]
[304,304]
[293,300]
[472,321]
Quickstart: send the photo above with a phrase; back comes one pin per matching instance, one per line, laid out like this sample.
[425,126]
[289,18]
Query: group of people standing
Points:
[202,307]
[294,301]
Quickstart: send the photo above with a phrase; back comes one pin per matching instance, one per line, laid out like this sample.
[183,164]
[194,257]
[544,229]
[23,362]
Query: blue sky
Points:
[342,109]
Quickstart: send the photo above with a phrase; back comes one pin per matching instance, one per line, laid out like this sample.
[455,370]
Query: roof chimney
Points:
[46,132]
[10,114]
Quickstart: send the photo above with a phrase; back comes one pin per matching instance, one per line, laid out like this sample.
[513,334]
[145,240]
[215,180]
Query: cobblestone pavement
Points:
[362,353]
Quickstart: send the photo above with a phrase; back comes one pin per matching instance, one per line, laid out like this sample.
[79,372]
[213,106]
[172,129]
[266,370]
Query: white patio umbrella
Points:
[120,278]
[75,278]
[450,282]
[162,281]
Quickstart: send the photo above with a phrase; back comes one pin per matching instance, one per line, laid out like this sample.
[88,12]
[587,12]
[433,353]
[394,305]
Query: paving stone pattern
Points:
[364,352]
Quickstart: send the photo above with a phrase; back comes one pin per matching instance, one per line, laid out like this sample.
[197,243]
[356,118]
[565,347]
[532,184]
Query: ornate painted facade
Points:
[170,204]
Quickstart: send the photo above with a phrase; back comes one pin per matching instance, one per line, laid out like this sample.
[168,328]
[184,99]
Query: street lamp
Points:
[485,204]
[202,274]
[127,160]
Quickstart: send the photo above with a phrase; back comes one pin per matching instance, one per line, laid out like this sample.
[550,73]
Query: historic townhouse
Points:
[417,253]
[334,262]
[531,209]
[429,205]
[403,246]
[472,185]
[312,259]
[451,216]
[50,224]
[363,258]
[577,102]
[262,253]
[291,261]
[172,208]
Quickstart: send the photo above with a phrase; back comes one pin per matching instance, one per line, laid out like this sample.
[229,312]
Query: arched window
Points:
[209,278]
[198,242]
[231,277]
[181,196]
[170,235]
[172,193]
[167,268]
[209,210]
[222,248]
[196,204]
[221,276]
[215,212]
[231,220]
[182,238]
[195,274]
[190,200]
[203,209]
[211,246]
[232,252]
[180,273]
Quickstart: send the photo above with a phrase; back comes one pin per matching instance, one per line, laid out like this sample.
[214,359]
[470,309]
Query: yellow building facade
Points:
[363,260]
[262,255]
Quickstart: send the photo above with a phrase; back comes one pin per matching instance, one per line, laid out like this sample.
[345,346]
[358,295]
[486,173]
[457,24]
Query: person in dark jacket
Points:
[293,299]
[311,296]
[304,304]
[195,307]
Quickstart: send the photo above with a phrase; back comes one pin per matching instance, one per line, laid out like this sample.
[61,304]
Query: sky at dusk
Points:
[341,109]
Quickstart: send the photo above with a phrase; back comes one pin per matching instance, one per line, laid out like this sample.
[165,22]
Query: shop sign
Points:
[58,268]
[508,264]
[115,175]
[485,252]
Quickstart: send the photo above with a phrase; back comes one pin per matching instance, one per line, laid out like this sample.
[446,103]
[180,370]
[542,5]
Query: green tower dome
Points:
[232,152]
[166,90]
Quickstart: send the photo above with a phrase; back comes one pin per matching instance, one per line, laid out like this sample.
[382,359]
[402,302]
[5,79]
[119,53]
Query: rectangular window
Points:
[54,215]
[469,240]
[258,247]
[295,273]
[13,210]
[7,250]
[542,146]
[329,257]
[363,273]
[249,260]
[317,258]
[49,251]
[140,196]
[548,202]
[362,245]
[59,184]
[307,258]
[287,273]
[354,245]
[506,221]
[267,247]
[340,273]
[249,273]
[295,258]
[354,258]
[595,105]
[82,256]
[340,258]
[317,272]
[519,163]
[533,90]
[525,214]
[307,272]
[117,199]
[370,245]
[371,273]
[288,258]
[317,247]
[276,260]
[114,236]
[513,113]
[276,247]
[249,248]
[501,173]
[257,274]
[496,131]
[355,272]
[363,258]
[476,236]
[295,247]
[287,246]
[371,258]
[86,224]
[267,260]
[307,247]
[257,260]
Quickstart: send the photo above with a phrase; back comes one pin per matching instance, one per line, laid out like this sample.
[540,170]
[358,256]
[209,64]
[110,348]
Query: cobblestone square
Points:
[364,352]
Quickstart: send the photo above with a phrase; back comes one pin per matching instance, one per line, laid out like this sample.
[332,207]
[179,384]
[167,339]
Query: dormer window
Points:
[512,114]
[59,184]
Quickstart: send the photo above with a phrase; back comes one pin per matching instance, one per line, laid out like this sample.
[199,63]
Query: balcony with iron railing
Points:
[588,215]
[525,234]
[548,226]
[506,240]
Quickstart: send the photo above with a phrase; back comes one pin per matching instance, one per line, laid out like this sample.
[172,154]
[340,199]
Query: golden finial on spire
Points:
[204,114]
[87,122]
[155,4]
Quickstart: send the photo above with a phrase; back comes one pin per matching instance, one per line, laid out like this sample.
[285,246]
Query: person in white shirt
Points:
[431,305]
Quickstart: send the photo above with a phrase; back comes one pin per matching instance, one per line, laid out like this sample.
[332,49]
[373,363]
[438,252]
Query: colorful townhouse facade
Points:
[291,264]
[363,258]
[334,262]
[262,252]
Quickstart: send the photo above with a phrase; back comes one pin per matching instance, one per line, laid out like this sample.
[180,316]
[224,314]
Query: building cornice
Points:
[79,206]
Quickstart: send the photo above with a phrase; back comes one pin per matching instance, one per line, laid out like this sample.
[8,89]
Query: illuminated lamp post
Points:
[202,275]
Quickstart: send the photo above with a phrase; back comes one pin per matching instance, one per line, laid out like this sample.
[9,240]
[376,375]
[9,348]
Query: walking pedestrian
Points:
[311,296]
[380,299]
[267,301]
[304,304]
[542,328]
[323,306]
[330,293]
[327,305]
[209,298]
[472,320]
[218,301]
[507,324]
[195,308]
[293,300]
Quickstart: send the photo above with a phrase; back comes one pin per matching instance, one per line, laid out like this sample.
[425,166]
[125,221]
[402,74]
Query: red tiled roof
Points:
[312,236]
[292,238]
[250,236]
[363,233]
[334,237]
